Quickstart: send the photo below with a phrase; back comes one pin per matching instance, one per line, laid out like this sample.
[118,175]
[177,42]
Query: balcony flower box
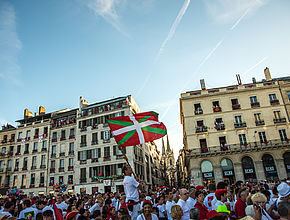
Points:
[24,168]
[94,160]
[43,149]
[17,153]
[71,137]
[26,152]
[12,140]
[61,169]
[10,153]
[70,182]
[266,143]
[72,121]
[54,125]
[224,148]
[50,184]
[204,150]
[107,158]
[36,136]
[62,139]
[237,106]
[217,109]
[34,151]
[32,186]
[95,112]
[44,135]
[23,187]
[16,169]
[4,141]
[287,140]
[19,139]
[85,114]
[118,106]
[27,138]
[52,170]
[2,154]
[53,140]
[70,167]
[41,184]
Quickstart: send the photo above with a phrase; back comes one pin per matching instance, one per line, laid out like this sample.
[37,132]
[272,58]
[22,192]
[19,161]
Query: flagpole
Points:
[126,158]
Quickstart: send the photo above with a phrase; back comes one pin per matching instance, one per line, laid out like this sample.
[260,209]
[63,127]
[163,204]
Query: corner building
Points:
[238,132]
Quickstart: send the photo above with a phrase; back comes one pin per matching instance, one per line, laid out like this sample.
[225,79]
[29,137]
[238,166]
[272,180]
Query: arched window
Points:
[249,169]
[228,170]
[207,172]
[269,167]
[286,157]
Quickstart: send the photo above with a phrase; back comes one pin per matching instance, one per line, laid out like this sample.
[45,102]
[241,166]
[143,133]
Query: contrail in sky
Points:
[240,18]
[173,28]
[254,66]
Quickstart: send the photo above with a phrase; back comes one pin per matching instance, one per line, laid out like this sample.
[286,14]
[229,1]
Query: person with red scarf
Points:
[111,213]
[203,210]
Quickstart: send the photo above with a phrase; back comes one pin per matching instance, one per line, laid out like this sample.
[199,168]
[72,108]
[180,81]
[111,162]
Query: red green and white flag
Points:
[136,129]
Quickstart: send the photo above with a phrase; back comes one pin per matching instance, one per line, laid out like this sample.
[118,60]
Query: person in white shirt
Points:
[60,204]
[162,209]
[115,200]
[183,204]
[131,187]
[97,206]
[191,199]
[28,212]
[147,212]
[169,204]
[210,197]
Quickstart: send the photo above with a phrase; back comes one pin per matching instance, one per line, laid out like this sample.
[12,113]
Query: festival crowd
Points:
[265,200]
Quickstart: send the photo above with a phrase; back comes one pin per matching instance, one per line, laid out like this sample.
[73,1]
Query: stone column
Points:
[239,174]
[197,176]
[280,166]
[259,168]
[218,174]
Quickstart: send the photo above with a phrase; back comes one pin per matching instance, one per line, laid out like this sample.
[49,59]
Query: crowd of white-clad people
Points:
[265,200]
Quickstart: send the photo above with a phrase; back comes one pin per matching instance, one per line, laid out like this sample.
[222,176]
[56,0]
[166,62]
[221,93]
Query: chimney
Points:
[239,79]
[254,80]
[267,74]
[35,114]
[27,113]
[41,110]
[202,84]
[83,102]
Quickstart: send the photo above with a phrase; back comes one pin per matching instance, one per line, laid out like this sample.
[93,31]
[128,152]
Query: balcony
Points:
[200,129]
[43,149]
[54,140]
[34,151]
[119,156]
[83,180]
[274,102]
[70,182]
[61,169]
[71,137]
[94,160]
[255,104]
[219,126]
[1,169]
[94,142]
[53,155]
[23,187]
[10,153]
[11,140]
[70,168]
[17,153]
[4,141]
[62,138]
[83,144]
[33,167]
[260,122]
[83,162]
[8,169]
[204,150]
[105,141]
[44,135]
[41,184]
[71,153]
[279,120]
[236,107]
[95,126]
[217,109]
[31,186]
[83,128]
[36,136]
[107,158]
[19,140]
[52,170]
[62,154]
[26,152]
[16,169]
[24,168]
[42,166]
[198,111]
[240,125]
[27,139]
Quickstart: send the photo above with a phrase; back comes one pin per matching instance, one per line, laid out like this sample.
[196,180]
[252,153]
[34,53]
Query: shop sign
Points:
[288,167]
[249,171]
[107,182]
[208,175]
[270,168]
[228,173]
[83,190]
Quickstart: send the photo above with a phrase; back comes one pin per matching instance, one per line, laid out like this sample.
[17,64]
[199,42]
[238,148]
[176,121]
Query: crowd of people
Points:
[260,201]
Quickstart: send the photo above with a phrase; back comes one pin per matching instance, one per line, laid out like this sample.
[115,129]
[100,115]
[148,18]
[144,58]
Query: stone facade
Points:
[226,129]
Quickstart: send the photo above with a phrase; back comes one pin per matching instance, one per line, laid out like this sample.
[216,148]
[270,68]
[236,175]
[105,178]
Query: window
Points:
[242,138]
[52,164]
[95,153]
[272,97]
[262,136]
[83,155]
[44,145]
[105,135]
[219,124]
[283,134]
[35,146]
[3,150]
[9,165]
[235,101]
[253,99]
[200,123]
[43,160]
[203,144]
[15,178]
[61,163]
[11,149]
[70,179]
[95,138]
[71,162]
[17,163]
[33,165]
[41,178]
[257,116]
[36,132]
[18,149]
[72,132]
[277,114]
[62,149]
[25,160]
[238,119]
[32,179]
[54,135]
[83,175]
[62,135]
[23,180]
[28,133]
[45,129]
[26,148]
[20,135]
[197,109]
[51,181]
[288,94]
[71,148]
[1,165]
[107,152]
[83,139]
[53,149]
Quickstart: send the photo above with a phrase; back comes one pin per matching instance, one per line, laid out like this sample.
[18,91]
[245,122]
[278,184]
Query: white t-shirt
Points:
[191,202]
[162,209]
[28,213]
[168,209]
[131,188]
[142,217]
[185,208]
[208,201]
[6,213]
[95,207]
[63,206]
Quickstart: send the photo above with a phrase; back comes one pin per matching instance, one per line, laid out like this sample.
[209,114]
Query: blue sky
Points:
[52,52]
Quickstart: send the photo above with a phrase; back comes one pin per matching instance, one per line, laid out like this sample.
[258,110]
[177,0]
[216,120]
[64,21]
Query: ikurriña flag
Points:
[136,129]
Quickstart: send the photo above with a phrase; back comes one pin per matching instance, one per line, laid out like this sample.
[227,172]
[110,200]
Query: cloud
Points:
[10,44]
[107,10]
[229,10]
[173,27]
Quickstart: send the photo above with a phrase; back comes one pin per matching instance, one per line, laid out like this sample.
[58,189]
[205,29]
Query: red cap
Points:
[70,215]
[110,208]
[220,192]
[199,187]
[211,214]
[147,202]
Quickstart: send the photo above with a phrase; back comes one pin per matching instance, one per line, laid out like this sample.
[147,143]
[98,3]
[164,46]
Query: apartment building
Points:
[237,132]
